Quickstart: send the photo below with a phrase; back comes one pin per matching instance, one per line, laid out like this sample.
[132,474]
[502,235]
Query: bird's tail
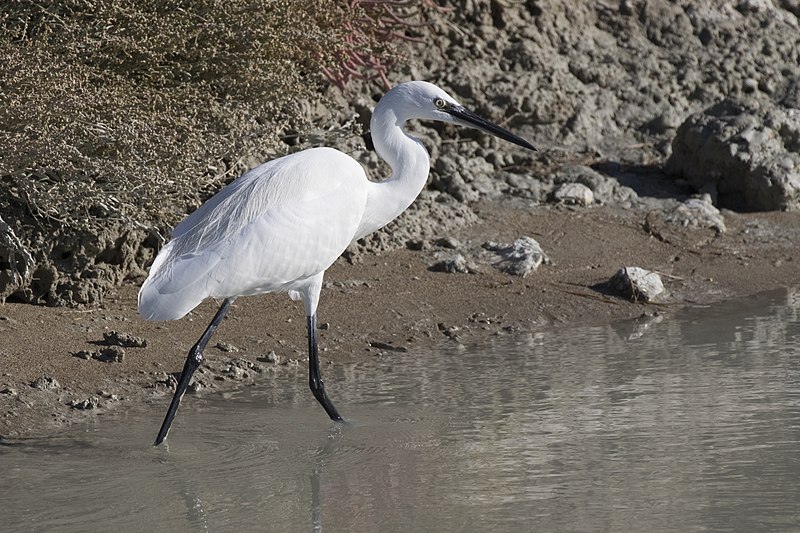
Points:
[156,306]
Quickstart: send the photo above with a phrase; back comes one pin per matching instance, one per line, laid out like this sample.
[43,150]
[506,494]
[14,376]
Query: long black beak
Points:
[471,119]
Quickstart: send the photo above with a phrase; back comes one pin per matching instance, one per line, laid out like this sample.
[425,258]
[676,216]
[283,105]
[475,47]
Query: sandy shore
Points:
[384,306]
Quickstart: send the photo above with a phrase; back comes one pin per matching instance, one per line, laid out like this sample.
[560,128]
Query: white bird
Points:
[279,226]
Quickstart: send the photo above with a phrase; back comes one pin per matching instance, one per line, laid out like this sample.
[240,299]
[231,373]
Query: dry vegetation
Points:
[118,116]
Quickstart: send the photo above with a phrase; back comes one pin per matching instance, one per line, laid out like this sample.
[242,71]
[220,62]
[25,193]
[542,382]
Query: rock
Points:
[126,340]
[451,332]
[271,358]
[347,286]
[241,369]
[750,153]
[235,372]
[88,403]
[112,354]
[574,194]
[637,283]
[227,347]
[525,255]
[196,386]
[448,242]
[84,354]
[696,213]
[417,244]
[453,264]
[45,383]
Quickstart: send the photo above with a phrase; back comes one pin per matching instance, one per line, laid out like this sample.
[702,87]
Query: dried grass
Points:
[133,111]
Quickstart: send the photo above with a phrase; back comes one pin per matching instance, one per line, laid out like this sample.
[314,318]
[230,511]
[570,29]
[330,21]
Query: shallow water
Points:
[690,423]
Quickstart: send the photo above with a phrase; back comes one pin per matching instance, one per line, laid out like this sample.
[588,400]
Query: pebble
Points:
[126,340]
[448,242]
[637,283]
[271,357]
[227,347]
[453,264]
[574,194]
[88,403]
[525,255]
[417,244]
[45,383]
[111,354]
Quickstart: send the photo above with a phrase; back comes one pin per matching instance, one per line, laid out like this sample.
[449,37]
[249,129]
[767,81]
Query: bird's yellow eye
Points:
[439,103]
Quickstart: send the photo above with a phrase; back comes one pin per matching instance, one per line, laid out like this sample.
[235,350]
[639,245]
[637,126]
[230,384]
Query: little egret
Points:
[279,226]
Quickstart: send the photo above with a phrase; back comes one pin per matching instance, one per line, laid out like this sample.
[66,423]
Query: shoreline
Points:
[383,305]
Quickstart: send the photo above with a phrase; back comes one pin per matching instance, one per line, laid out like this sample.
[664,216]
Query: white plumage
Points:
[272,229]
[279,226]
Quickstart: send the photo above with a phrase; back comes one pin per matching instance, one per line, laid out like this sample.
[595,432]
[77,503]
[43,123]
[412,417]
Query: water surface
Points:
[686,423]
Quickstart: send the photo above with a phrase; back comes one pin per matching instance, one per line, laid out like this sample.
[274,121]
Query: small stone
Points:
[126,340]
[235,372]
[84,354]
[417,244]
[448,242]
[525,255]
[45,383]
[697,213]
[111,354]
[271,358]
[574,194]
[9,391]
[456,263]
[451,332]
[89,403]
[227,347]
[195,386]
[637,283]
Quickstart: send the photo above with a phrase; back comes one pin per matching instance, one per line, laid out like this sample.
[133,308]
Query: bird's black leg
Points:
[314,377]
[193,361]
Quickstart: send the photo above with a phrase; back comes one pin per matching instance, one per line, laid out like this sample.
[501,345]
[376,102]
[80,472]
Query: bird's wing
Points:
[283,221]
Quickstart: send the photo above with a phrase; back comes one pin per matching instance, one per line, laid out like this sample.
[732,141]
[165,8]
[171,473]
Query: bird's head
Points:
[426,101]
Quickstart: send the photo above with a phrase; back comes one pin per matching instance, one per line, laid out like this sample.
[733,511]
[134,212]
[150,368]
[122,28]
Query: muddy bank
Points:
[653,120]
[54,373]
[598,85]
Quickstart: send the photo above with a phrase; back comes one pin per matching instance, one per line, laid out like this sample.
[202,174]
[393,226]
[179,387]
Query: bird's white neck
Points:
[410,165]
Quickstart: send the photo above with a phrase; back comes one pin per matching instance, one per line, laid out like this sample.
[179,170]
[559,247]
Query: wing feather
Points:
[279,223]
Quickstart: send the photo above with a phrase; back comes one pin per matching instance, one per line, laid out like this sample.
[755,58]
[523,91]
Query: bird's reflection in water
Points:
[193,499]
